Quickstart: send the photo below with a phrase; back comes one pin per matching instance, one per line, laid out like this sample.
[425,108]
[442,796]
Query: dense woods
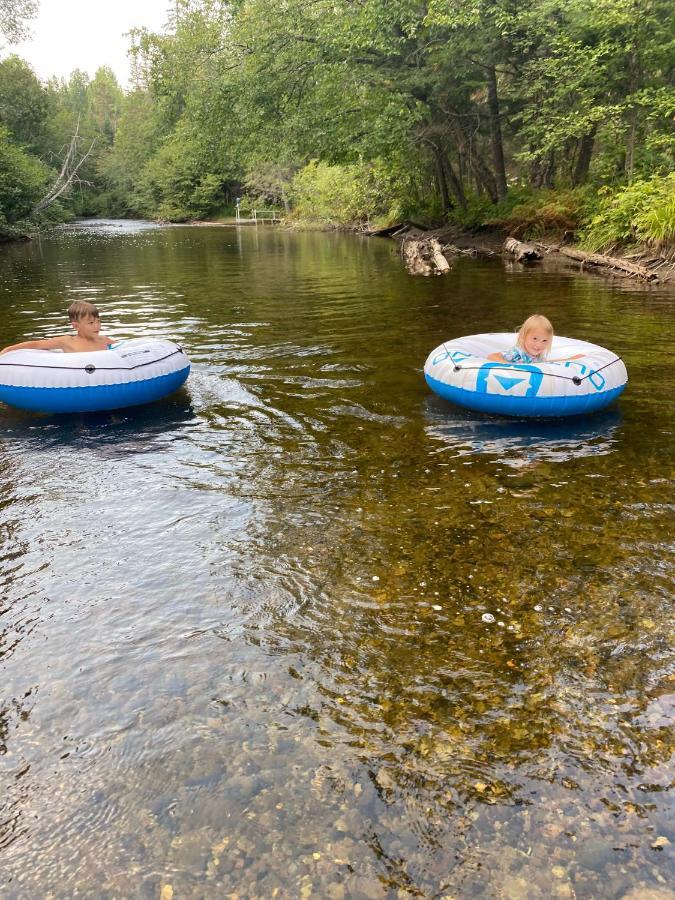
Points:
[552,115]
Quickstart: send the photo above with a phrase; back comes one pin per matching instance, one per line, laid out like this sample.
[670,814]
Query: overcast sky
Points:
[86,34]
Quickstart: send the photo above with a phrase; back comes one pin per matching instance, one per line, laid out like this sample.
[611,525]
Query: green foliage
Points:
[641,212]
[22,180]
[105,101]
[24,104]
[13,18]
[347,195]
[140,132]
[545,212]
[270,183]
[474,112]
[174,184]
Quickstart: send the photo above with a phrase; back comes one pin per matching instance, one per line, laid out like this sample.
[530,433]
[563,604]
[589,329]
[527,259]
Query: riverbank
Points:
[639,262]
[636,261]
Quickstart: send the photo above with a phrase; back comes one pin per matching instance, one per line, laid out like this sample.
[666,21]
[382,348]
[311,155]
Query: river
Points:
[242,644]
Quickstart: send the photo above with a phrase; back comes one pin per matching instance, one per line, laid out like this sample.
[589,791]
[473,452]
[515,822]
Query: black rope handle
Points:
[575,379]
[90,367]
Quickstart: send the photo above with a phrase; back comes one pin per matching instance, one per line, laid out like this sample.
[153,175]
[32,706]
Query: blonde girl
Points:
[533,343]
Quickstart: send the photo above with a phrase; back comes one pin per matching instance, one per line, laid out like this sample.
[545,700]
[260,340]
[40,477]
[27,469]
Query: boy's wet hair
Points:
[82,309]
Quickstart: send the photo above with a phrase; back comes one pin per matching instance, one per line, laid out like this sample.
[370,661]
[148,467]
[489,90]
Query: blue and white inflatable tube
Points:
[460,371]
[132,372]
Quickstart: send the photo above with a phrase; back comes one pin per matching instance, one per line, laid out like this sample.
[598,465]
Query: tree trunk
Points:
[535,173]
[481,171]
[610,262]
[635,83]
[630,147]
[439,260]
[584,159]
[485,176]
[496,135]
[456,185]
[424,257]
[442,180]
[548,171]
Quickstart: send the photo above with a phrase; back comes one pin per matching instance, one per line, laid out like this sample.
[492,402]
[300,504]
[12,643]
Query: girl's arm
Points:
[496,357]
[55,343]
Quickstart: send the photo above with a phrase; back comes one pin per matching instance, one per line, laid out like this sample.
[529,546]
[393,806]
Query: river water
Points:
[242,649]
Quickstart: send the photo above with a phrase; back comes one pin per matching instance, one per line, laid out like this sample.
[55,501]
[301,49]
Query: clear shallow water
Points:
[241,633]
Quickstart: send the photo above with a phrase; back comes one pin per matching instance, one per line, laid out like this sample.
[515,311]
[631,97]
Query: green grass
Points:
[639,213]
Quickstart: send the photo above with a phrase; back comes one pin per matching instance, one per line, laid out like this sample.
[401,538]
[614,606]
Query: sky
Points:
[86,34]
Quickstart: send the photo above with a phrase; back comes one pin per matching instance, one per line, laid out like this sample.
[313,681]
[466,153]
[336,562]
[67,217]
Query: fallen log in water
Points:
[522,252]
[413,258]
[610,262]
[439,259]
[424,257]
[398,229]
[479,250]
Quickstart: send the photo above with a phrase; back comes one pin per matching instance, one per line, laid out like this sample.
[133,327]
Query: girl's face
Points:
[536,342]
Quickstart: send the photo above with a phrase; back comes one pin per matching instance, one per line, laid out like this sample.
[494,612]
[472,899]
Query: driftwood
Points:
[439,259]
[424,257]
[411,251]
[610,262]
[478,250]
[522,252]
[397,229]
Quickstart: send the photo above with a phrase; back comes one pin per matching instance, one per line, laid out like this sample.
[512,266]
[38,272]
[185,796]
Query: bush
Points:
[642,212]
[544,212]
[347,195]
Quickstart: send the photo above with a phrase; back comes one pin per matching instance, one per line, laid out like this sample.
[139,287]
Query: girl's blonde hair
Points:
[531,324]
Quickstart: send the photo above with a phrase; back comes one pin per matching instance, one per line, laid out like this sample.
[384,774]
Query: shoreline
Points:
[641,264]
[489,242]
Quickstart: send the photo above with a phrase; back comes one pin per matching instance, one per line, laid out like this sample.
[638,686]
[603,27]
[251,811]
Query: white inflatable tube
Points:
[130,373]
[460,371]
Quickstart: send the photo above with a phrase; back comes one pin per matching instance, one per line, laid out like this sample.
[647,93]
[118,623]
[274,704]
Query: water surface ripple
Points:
[243,635]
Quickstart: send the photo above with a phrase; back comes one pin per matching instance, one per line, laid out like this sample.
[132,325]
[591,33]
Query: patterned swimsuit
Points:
[516,355]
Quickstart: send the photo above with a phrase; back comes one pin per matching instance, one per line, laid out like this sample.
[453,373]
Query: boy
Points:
[84,318]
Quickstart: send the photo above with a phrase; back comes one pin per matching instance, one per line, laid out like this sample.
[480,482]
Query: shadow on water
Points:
[136,429]
[518,442]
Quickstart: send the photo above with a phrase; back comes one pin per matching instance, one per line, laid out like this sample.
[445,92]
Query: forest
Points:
[551,116]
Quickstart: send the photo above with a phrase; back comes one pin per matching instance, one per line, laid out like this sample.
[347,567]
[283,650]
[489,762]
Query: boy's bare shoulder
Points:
[66,342]
[77,345]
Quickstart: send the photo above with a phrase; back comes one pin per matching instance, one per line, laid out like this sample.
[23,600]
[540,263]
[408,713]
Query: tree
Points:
[14,15]
[104,101]
[73,162]
[24,104]
[22,179]
[196,152]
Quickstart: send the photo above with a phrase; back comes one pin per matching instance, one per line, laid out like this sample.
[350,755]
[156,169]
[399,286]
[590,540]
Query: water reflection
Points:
[521,442]
[113,227]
